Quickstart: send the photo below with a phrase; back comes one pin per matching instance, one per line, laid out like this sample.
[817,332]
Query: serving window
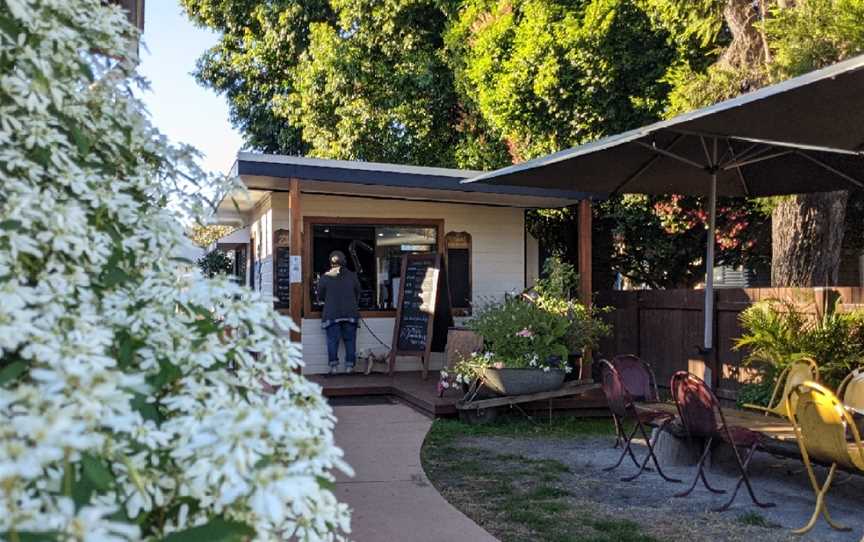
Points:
[373,249]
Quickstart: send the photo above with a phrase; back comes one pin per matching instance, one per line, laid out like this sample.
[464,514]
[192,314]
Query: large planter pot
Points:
[522,381]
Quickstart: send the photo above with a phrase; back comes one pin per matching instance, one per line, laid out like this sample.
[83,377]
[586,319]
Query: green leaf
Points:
[216,530]
[114,276]
[12,372]
[126,350]
[82,491]
[147,410]
[10,224]
[324,483]
[83,142]
[96,471]
[47,536]
[10,27]
[86,71]
[168,373]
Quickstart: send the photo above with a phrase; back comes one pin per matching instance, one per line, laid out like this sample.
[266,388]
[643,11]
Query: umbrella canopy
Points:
[803,135]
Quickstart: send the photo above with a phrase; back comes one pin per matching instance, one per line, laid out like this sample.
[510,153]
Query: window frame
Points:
[310,221]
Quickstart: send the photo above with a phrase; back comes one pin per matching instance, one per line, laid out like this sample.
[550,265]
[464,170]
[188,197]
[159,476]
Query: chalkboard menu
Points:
[423,312]
[281,270]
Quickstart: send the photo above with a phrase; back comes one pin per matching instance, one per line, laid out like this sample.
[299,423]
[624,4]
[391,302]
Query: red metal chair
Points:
[639,382]
[622,406]
[701,415]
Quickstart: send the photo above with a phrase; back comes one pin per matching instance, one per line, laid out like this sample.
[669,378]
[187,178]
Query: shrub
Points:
[521,333]
[132,405]
[554,293]
[776,333]
[215,263]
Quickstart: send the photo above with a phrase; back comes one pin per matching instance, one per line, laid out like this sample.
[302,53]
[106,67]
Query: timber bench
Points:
[778,433]
[484,410]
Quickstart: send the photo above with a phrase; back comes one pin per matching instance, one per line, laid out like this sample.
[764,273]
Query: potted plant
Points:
[555,293]
[526,348]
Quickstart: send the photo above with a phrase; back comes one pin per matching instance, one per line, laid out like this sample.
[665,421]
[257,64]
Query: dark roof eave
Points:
[396,179]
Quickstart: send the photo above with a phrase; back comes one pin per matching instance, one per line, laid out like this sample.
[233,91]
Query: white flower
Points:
[129,370]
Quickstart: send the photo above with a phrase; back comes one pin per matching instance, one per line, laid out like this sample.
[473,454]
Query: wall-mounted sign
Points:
[281,269]
[296,267]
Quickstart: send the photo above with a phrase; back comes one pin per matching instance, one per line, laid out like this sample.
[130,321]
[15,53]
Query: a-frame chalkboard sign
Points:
[423,314]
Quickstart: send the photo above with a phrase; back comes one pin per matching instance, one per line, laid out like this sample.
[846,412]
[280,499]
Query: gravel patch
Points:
[649,500]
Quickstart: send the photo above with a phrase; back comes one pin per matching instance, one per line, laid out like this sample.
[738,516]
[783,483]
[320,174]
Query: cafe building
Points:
[297,210]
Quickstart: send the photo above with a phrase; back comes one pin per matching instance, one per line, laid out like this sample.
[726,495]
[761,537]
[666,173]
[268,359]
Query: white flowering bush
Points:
[137,401]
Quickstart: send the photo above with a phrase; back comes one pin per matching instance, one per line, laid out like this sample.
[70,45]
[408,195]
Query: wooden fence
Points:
[665,328]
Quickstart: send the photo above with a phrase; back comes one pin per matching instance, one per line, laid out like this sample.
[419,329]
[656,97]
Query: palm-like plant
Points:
[776,333]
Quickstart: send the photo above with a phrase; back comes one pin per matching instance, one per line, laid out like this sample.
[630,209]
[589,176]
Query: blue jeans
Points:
[347,332]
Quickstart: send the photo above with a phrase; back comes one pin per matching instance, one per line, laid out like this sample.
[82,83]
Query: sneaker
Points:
[349,370]
[332,371]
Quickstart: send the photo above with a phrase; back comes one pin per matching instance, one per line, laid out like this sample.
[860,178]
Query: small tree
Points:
[215,263]
[131,404]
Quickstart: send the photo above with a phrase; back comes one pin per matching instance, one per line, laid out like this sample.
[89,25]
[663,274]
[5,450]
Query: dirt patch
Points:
[538,488]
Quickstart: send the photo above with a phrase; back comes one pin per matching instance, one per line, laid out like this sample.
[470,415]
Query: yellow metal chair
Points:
[800,371]
[851,390]
[821,422]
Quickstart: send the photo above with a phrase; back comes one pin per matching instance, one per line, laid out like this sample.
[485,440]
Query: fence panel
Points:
[665,328]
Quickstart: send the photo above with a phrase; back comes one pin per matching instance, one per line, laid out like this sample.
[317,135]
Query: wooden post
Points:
[296,251]
[585,270]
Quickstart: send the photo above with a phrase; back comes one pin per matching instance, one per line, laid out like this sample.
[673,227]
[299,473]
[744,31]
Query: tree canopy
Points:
[484,83]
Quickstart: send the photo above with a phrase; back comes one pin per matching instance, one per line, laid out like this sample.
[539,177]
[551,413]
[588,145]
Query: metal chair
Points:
[851,391]
[639,382]
[701,415]
[622,406]
[821,427]
[799,371]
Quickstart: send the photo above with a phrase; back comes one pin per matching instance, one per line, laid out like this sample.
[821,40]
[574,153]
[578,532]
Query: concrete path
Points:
[391,498]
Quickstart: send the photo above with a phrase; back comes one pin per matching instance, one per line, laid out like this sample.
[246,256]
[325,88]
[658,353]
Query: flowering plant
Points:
[520,334]
[132,403]
[465,371]
[554,294]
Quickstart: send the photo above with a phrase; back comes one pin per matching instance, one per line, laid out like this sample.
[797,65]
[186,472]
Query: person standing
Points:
[339,288]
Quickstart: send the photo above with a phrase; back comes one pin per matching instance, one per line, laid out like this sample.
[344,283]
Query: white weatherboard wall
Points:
[498,259]
[261,230]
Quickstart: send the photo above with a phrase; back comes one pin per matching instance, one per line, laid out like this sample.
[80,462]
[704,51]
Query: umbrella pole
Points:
[709,265]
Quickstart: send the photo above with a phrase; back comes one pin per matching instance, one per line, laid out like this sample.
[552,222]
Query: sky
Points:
[182,109]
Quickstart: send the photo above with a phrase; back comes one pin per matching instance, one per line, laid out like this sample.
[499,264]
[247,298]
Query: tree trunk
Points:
[807,239]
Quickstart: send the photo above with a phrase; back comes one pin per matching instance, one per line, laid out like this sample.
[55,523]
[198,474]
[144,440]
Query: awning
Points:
[803,135]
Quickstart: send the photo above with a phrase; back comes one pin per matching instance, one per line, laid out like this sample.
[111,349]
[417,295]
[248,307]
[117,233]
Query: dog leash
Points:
[377,338]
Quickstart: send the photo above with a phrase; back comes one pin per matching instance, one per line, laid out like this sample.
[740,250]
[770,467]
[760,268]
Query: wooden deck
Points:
[422,394]
[407,386]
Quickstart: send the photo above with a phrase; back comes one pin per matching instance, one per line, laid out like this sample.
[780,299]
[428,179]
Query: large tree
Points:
[254,61]
[767,41]
[478,84]
[549,75]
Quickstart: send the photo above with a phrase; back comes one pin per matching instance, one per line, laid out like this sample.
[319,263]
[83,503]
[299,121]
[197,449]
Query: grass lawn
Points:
[517,498]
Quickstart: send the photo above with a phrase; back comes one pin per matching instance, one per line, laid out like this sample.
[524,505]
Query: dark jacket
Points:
[340,292]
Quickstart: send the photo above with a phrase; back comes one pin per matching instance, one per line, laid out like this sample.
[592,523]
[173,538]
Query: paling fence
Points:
[664,327]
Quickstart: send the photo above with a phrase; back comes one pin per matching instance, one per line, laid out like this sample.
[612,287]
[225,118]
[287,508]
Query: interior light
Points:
[380,235]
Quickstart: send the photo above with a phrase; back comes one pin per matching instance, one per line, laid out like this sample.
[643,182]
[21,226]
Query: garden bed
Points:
[545,482]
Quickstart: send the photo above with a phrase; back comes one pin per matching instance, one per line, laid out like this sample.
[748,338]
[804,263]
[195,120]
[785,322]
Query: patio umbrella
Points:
[799,136]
